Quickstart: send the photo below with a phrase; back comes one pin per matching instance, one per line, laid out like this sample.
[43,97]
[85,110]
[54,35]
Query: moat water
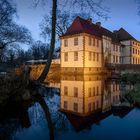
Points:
[84,108]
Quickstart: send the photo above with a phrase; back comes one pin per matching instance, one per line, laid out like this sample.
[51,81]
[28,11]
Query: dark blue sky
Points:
[123,13]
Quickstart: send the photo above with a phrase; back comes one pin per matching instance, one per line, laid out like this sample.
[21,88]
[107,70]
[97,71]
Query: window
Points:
[75,56]
[113,58]
[93,41]
[75,41]
[97,104]
[97,56]
[89,107]
[120,59]
[90,41]
[93,91]
[66,56]
[116,48]
[65,43]
[113,47]
[75,92]
[133,50]
[119,48]
[89,92]
[89,56]
[65,104]
[133,60]
[94,56]
[65,90]
[113,87]
[116,87]
[97,43]
[97,91]
[93,105]
[116,59]
[75,107]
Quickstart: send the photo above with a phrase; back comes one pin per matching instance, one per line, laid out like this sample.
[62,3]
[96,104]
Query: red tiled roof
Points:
[81,25]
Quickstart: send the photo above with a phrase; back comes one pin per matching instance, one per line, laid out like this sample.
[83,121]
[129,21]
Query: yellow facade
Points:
[83,57]
[87,94]
[135,52]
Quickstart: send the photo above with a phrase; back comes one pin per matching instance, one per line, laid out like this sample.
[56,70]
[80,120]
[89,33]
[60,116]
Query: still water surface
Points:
[84,108]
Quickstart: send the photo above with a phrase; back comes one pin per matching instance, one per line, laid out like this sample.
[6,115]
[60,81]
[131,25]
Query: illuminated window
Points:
[65,43]
[75,106]
[75,41]
[66,56]
[65,90]
[75,92]
[75,56]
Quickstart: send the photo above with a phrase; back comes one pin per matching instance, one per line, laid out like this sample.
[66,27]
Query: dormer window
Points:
[75,41]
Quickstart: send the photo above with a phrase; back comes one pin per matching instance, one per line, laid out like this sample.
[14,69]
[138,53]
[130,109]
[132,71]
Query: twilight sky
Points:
[123,13]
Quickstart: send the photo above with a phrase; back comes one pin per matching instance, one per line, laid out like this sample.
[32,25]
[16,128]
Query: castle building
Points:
[87,48]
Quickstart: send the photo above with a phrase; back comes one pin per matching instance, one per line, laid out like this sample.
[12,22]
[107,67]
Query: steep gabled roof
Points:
[124,35]
[81,25]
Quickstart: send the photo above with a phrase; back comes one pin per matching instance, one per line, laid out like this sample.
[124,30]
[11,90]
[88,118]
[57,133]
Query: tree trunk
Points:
[52,43]
[45,108]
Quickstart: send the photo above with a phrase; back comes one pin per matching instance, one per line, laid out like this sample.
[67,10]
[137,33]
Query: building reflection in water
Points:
[89,99]
[84,95]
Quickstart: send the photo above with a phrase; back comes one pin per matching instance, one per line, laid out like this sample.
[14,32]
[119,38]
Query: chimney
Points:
[98,24]
[90,20]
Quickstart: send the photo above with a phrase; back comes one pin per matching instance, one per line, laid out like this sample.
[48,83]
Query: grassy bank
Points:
[12,85]
[133,96]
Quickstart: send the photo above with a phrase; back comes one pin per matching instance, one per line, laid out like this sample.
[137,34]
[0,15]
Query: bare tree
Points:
[10,32]
[39,50]
[94,5]
[64,19]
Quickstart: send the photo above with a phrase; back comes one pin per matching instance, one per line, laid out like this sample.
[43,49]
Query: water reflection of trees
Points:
[44,106]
